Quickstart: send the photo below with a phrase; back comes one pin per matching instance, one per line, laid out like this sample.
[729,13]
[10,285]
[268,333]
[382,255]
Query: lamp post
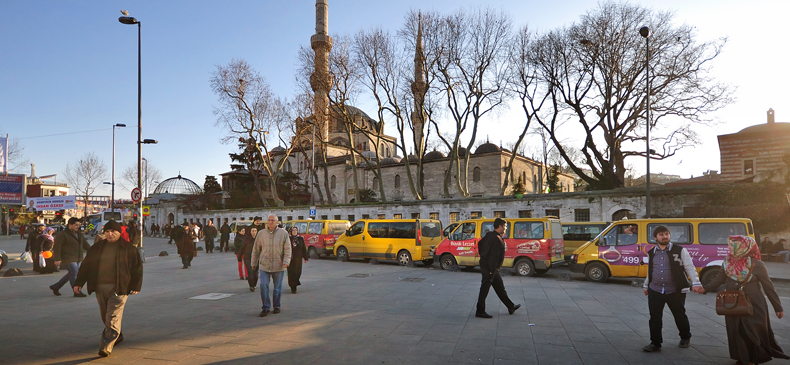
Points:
[645,33]
[112,202]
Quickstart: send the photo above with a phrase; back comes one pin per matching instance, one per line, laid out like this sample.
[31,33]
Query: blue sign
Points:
[312,212]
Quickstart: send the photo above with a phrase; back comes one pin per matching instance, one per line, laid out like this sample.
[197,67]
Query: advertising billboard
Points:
[52,203]
[12,189]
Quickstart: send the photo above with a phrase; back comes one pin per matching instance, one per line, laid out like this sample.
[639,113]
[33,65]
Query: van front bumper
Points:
[575,267]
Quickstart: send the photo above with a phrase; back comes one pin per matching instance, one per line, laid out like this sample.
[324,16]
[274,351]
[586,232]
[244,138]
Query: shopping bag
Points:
[42,261]
[26,257]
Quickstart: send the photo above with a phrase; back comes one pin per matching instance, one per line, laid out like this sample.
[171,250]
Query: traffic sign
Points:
[312,212]
[146,211]
[136,195]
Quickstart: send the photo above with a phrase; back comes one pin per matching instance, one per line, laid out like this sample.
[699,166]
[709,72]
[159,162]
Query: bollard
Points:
[164,253]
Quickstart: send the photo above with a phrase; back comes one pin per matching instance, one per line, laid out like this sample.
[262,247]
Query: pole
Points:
[112,202]
[312,169]
[139,130]
[647,127]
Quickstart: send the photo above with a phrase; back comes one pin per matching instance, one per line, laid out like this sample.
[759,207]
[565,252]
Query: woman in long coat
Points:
[45,244]
[238,241]
[750,338]
[246,254]
[298,253]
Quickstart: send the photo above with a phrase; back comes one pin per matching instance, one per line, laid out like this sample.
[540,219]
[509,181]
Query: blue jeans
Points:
[784,253]
[71,276]
[277,279]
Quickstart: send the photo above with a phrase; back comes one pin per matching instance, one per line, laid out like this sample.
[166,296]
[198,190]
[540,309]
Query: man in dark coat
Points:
[185,244]
[70,248]
[224,238]
[32,245]
[113,270]
[210,234]
[492,255]
[298,253]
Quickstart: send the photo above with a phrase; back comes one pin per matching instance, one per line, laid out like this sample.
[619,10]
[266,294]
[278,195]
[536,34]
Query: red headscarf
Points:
[740,260]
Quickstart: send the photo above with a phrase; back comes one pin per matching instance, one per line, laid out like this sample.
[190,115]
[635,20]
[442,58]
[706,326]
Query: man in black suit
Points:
[492,254]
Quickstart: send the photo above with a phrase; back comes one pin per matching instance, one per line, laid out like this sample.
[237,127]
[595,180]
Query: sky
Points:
[68,71]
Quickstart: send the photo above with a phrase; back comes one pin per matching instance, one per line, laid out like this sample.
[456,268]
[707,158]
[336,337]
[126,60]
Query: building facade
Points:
[755,150]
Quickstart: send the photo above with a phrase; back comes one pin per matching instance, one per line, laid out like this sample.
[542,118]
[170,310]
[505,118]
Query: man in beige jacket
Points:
[271,255]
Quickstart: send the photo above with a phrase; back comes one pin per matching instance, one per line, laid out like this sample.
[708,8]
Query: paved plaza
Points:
[351,312]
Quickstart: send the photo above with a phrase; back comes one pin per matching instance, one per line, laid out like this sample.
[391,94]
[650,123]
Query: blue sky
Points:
[68,70]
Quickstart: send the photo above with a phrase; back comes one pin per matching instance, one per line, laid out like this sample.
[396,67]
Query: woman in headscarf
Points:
[246,251]
[750,338]
[237,242]
[298,253]
[45,245]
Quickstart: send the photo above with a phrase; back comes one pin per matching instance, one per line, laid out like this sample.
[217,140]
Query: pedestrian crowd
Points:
[266,253]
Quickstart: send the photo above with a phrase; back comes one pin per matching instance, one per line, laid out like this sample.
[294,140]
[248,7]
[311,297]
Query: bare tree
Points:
[593,76]
[86,176]
[151,176]
[471,76]
[254,116]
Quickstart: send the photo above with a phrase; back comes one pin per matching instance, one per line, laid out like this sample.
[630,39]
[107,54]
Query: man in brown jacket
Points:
[272,253]
[113,269]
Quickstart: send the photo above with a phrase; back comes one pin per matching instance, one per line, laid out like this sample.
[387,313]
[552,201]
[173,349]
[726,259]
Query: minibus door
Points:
[620,247]
[463,245]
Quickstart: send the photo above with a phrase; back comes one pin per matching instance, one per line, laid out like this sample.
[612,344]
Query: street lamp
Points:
[112,202]
[645,33]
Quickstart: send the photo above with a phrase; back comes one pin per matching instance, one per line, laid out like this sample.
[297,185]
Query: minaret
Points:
[320,80]
[418,88]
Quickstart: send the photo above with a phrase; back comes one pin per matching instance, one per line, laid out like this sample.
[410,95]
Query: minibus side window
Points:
[489,227]
[288,226]
[717,233]
[556,230]
[680,233]
[378,229]
[315,228]
[403,230]
[465,232]
[302,227]
[430,229]
[336,228]
[528,230]
[357,228]
[622,235]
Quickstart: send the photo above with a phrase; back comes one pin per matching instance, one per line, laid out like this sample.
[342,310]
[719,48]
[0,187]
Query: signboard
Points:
[136,195]
[146,211]
[312,212]
[52,203]
[12,189]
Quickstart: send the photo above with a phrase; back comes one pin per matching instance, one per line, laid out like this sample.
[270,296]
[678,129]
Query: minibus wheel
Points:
[596,272]
[404,257]
[342,254]
[525,267]
[708,275]
[446,261]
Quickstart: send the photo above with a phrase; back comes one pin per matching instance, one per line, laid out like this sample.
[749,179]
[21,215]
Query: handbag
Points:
[735,302]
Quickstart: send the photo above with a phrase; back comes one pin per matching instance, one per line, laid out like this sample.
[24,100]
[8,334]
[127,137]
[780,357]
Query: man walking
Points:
[113,269]
[668,272]
[272,254]
[224,237]
[70,248]
[210,233]
[492,255]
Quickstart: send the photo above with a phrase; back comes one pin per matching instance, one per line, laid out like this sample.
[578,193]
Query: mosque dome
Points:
[487,148]
[390,161]
[433,155]
[178,186]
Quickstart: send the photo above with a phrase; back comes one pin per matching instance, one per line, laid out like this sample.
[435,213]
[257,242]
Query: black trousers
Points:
[187,260]
[209,244]
[488,281]
[677,305]
[252,275]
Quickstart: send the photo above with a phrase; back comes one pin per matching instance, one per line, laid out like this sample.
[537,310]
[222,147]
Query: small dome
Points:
[462,152]
[433,155]
[774,127]
[278,149]
[178,186]
[390,161]
[487,147]
[412,159]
